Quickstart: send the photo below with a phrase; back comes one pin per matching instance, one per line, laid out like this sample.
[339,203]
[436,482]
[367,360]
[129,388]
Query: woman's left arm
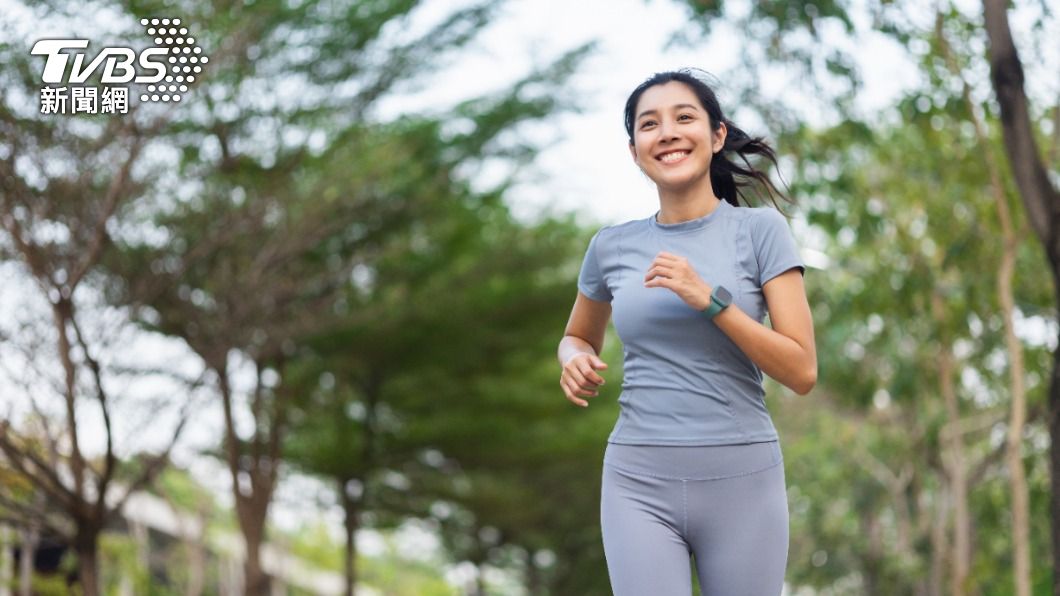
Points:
[786,352]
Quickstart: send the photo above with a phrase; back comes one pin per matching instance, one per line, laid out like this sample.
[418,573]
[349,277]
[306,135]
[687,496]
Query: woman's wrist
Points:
[572,347]
[704,298]
[573,356]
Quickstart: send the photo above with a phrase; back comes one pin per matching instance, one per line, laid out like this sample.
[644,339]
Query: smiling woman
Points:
[694,445]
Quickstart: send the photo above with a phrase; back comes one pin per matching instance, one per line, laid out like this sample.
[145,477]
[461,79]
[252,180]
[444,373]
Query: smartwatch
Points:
[719,299]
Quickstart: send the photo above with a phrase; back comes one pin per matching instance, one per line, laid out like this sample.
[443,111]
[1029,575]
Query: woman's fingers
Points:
[658,270]
[580,379]
[590,375]
[666,265]
[570,396]
[586,377]
[581,371]
[583,389]
[572,389]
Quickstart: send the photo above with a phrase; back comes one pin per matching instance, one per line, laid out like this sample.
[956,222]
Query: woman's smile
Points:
[676,156]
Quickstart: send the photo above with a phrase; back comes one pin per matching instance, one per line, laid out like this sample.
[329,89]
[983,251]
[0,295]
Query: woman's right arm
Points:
[578,353]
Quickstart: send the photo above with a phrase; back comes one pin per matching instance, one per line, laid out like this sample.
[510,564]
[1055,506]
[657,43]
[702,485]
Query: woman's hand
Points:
[676,273]
[579,377]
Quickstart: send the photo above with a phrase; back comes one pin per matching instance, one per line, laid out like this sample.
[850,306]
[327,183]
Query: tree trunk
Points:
[1010,239]
[255,581]
[351,511]
[1042,203]
[954,460]
[352,504]
[870,530]
[480,583]
[939,542]
[252,485]
[87,550]
[1018,417]
[533,575]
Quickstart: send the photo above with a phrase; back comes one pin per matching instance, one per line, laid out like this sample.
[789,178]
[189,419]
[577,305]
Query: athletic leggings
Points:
[725,505]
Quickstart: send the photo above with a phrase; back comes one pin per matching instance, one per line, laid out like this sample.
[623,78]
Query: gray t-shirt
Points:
[685,382]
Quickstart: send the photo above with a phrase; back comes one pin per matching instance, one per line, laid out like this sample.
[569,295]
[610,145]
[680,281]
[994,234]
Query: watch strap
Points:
[715,306]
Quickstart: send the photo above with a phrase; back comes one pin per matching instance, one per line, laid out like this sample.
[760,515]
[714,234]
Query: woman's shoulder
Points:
[617,229]
[758,213]
[761,220]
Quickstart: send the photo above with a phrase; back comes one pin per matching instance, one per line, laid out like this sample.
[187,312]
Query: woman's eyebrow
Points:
[680,105]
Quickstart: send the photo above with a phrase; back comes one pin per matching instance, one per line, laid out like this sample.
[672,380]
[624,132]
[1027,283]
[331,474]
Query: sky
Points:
[588,170]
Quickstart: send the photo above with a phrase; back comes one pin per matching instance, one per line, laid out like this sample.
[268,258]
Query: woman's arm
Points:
[586,328]
[787,352]
[579,350]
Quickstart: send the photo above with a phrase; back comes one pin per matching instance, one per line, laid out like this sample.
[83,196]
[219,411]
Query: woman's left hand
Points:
[676,273]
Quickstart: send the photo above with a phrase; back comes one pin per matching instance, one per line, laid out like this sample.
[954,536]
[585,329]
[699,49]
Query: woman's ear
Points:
[719,136]
[633,152]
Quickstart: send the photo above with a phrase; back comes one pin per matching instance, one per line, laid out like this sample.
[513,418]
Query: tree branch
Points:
[110,203]
[110,462]
[44,477]
[62,312]
[1041,200]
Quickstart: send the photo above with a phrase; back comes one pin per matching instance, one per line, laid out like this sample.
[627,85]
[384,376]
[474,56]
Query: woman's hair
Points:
[726,176]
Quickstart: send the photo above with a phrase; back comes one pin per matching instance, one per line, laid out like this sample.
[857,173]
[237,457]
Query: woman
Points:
[693,466]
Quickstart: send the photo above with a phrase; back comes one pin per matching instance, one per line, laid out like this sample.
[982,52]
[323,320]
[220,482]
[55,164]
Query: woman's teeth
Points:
[671,157]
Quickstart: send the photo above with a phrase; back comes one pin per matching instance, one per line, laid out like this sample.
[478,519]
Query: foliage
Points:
[908,217]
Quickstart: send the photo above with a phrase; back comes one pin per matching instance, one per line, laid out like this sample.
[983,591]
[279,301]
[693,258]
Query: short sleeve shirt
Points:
[685,382]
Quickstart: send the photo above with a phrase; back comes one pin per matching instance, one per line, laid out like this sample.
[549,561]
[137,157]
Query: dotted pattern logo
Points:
[185,59]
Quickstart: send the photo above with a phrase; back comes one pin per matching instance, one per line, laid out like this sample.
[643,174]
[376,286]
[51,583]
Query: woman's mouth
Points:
[673,157]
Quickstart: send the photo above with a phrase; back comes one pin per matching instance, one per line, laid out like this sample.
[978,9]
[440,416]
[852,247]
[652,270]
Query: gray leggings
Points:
[727,505]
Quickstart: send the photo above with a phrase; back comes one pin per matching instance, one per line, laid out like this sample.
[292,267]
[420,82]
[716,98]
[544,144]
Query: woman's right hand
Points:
[579,377]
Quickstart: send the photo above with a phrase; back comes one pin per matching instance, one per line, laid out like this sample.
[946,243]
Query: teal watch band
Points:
[719,299]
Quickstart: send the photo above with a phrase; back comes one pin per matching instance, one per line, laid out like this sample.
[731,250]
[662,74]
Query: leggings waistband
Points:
[701,462]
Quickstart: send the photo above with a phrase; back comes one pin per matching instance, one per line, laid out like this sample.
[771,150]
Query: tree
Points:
[63,186]
[262,257]
[470,294]
[1041,200]
[906,318]
[788,25]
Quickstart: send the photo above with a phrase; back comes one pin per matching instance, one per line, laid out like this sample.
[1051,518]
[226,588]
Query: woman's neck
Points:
[688,203]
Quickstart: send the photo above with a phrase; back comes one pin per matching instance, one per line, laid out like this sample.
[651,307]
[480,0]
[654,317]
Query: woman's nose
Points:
[667,129]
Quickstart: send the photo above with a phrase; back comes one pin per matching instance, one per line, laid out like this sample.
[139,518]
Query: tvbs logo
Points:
[167,69]
[116,59]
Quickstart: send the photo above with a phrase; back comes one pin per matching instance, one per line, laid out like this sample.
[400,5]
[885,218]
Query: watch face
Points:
[723,295]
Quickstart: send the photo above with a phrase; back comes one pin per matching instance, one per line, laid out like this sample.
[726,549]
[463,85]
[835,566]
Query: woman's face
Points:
[672,140]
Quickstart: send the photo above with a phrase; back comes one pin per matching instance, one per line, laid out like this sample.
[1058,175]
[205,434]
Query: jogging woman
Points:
[693,469]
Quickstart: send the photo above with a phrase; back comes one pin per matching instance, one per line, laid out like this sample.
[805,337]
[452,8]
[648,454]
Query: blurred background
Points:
[296,332]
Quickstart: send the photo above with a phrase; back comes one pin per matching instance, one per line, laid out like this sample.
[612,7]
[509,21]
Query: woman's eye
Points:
[649,122]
